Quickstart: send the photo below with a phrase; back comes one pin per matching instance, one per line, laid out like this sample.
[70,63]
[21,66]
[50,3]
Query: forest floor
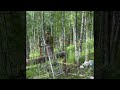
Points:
[43,70]
[72,72]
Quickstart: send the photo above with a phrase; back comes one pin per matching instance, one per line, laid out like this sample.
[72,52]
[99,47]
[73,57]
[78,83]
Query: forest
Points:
[59,45]
[34,44]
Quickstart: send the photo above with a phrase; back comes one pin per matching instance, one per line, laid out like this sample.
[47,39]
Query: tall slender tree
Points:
[87,37]
[81,34]
[27,47]
[76,35]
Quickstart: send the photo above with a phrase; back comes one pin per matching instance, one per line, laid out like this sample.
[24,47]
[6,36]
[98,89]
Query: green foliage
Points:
[91,54]
[70,54]
[34,54]
[31,73]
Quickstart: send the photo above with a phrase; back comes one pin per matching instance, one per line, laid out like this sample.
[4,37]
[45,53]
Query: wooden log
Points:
[37,60]
[45,58]
[61,54]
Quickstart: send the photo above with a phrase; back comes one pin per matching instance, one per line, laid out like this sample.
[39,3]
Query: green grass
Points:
[70,54]
[37,71]
[34,54]
[73,74]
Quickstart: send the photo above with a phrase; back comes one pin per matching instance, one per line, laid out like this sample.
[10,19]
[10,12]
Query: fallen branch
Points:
[45,58]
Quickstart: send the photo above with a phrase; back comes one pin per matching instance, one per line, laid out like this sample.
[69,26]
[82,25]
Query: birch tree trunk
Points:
[81,34]
[74,39]
[63,31]
[86,45]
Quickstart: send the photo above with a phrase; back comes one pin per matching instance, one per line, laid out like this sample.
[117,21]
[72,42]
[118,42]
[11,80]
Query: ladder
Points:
[55,66]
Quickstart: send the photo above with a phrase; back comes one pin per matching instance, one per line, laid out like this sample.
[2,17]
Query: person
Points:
[48,37]
[49,42]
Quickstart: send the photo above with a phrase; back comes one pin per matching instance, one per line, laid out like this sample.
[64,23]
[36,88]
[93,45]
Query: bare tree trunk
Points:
[43,33]
[81,34]
[74,39]
[86,45]
[27,47]
[63,32]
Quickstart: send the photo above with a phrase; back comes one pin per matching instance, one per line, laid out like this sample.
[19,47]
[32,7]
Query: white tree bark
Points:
[87,37]
[81,35]
[75,44]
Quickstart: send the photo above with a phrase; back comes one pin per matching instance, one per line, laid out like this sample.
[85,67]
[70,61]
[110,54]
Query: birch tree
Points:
[87,37]
[81,34]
